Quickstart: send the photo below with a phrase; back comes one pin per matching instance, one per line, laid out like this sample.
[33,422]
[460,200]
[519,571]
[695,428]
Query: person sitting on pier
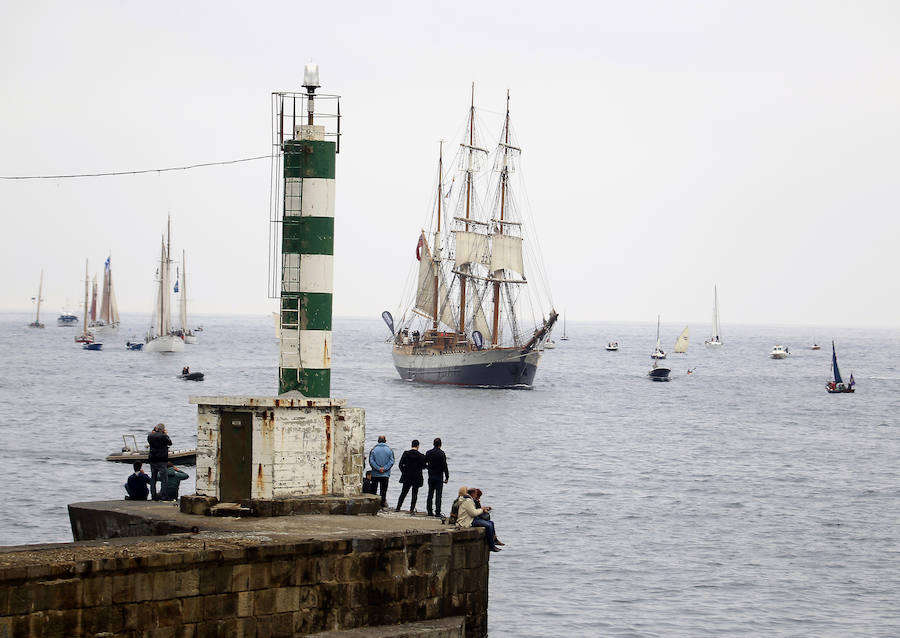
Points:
[174,477]
[138,486]
[467,516]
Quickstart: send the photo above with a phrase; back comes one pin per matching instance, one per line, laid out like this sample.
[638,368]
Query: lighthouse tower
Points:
[272,454]
[307,249]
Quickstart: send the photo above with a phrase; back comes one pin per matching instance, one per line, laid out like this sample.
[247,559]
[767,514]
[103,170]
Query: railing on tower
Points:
[290,110]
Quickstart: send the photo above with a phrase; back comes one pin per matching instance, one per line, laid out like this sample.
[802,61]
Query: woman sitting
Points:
[469,516]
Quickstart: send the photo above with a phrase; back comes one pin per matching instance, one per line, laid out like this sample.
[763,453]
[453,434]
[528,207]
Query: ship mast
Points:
[462,277]
[436,249]
[504,176]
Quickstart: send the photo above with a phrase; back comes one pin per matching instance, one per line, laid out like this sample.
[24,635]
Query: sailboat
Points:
[564,337]
[715,338]
[658,353]
[468,259]
[108,319]
[838,386]
[37,314]
[184,332]
[658,372]
[681,343]
[159,337]
[86,337]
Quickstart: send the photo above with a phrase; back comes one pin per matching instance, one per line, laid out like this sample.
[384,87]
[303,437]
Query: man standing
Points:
[159,456]
[412,463]
[136,487]
[438,474]
[381,459]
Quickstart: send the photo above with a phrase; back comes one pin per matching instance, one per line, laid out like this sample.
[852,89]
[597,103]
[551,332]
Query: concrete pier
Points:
[276,576]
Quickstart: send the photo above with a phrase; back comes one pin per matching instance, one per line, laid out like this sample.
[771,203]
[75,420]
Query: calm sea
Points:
[739,500]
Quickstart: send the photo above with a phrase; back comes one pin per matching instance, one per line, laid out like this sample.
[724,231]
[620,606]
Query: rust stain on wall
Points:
[268,423]
[326,466]
[260,480]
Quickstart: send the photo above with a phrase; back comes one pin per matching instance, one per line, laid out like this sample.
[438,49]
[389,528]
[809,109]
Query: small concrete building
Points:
[278,447]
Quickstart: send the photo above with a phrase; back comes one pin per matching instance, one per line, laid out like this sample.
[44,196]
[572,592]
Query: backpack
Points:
[454,512]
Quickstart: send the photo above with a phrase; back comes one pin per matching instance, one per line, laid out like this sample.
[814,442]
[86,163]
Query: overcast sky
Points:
[667,146]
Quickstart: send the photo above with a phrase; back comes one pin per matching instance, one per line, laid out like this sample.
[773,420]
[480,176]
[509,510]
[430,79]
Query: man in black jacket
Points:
[438,474]
[412,463]
[159,456]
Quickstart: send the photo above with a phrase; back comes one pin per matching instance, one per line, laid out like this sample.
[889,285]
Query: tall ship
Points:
[465,322]
[108,318]
[159,336]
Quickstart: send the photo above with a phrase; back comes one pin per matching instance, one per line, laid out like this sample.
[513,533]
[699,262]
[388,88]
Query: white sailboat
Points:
[681,343]
[715,338]
[564,336]
[658,372]
[37,314]
[108,319]
[159,337]
[658,353]
[184,332]
[86,335]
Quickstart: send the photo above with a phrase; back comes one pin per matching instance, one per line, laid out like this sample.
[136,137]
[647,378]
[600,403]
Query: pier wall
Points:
[184,586]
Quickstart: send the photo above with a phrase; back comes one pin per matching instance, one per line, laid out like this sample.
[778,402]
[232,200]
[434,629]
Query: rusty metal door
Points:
[235,466]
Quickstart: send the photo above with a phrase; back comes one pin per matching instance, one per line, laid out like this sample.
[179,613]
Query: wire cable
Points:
[148,170]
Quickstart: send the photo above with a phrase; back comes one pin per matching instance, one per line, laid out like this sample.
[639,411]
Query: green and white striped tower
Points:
[307,255]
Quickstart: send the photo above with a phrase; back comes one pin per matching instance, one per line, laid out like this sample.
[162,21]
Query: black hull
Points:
[659,374]
[507,374]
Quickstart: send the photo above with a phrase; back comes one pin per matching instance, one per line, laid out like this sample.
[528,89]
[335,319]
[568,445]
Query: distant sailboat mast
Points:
[436,250]
[504,178]
[463,268]
[183,308]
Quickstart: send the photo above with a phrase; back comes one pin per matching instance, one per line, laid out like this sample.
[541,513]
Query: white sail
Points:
[425,289]
[479,321]
[715,338]
[681,343]
[113,305]
[506,252]
[471,248]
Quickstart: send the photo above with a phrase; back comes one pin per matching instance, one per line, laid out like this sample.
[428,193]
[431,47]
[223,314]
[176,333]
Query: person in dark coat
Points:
[138,483]
[438,474]
[412,464]
[174,477]
[159,457]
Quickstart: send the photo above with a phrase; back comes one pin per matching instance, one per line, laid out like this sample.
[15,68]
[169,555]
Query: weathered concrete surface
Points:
[454,627]
[336,505]
[282,576]
[298,447]
[119,518]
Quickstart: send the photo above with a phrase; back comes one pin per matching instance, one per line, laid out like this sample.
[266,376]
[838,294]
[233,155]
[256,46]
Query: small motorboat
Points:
[815,346]
[658,372]
[549,344]
[92,346]
[612,346]
[66,318]
[187,375]
[838,386]
[134,345]
[779,352]
[131,452]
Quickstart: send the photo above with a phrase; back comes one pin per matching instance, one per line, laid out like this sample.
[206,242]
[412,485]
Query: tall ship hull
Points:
[498,368]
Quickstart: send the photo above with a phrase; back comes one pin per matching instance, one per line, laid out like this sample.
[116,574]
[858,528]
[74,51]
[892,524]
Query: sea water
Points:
[741,499]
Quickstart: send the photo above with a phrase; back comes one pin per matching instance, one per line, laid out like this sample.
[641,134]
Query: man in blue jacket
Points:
[381,459]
